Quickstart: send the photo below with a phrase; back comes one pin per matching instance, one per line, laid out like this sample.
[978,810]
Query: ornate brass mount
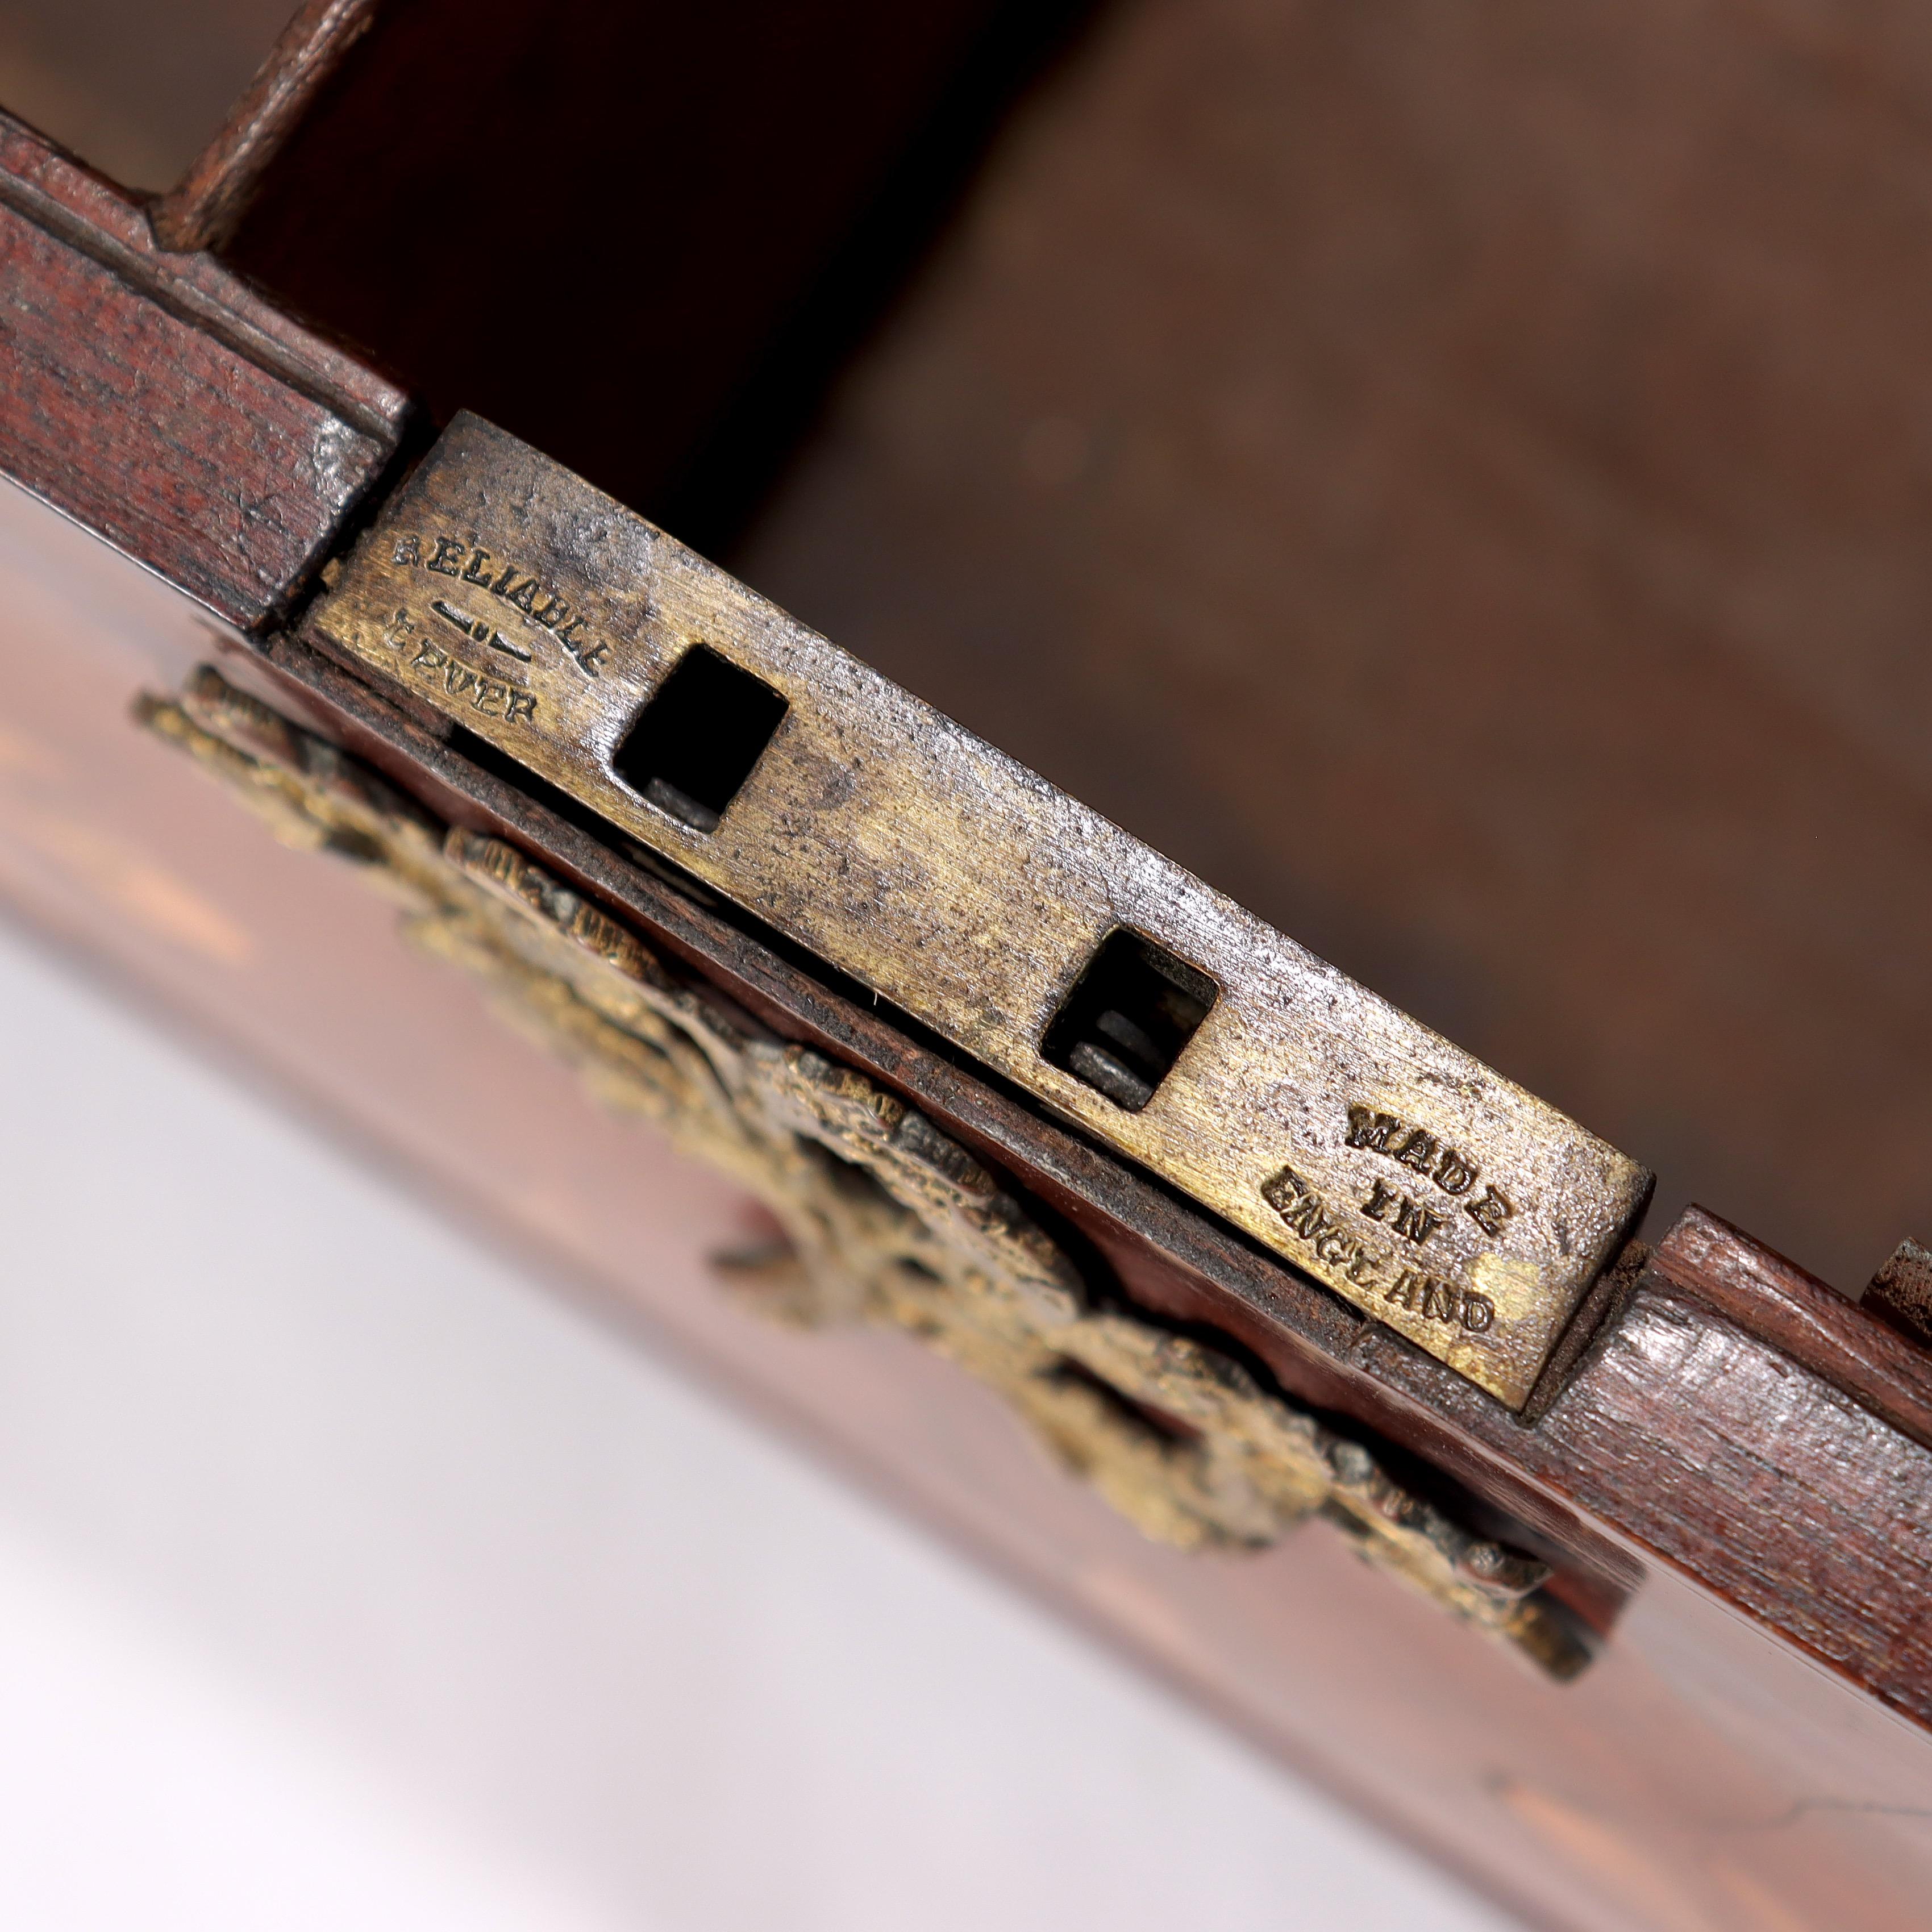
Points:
[887,1219]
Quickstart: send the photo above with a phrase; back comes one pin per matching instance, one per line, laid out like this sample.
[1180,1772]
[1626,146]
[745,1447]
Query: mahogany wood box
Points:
[1305,429]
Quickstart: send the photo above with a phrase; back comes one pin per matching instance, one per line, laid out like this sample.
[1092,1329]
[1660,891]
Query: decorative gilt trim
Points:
[886,1220]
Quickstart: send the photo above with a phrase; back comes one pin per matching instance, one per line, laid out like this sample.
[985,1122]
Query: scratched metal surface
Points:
[1413,1179]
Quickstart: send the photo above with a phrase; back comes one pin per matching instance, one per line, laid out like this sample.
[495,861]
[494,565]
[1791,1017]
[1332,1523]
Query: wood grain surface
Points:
[1879,1366]
[1710,1447]
[163,404]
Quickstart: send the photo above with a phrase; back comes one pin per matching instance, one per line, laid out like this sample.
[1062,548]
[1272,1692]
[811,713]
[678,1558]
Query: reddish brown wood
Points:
[202,211]
[1839,1342]
[1699,1441]
[163,404]
[1901,1294]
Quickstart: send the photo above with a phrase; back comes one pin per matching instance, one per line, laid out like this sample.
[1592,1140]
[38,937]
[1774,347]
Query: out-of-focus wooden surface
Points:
[1459,479]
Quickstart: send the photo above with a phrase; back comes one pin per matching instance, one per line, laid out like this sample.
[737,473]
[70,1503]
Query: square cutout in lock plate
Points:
[693,744]
[1125,1023]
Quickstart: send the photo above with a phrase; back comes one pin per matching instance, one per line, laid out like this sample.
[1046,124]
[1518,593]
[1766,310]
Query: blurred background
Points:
[1453,475]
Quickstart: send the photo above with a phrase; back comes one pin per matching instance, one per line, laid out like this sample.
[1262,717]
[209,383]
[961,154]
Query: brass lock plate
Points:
[700,720]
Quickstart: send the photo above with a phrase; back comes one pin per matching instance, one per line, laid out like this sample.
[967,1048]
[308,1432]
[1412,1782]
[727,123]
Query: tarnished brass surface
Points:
[1406,1175]
[886,1218]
